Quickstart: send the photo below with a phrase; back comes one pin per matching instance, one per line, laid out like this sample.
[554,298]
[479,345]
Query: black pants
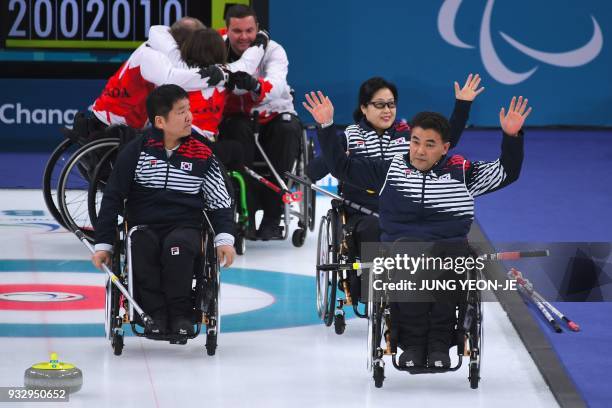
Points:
[364,228]
[230,153]
[163,262]
[419,323]
[280,140]
[425,323]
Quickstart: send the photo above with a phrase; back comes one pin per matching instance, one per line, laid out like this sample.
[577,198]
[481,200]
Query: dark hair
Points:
[367,91]
[433,121]
[161,100]
[204,47]
[184,27]
[239,11]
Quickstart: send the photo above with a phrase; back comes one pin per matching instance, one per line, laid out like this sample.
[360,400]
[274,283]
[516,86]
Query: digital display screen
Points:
[88,24]
[67,38]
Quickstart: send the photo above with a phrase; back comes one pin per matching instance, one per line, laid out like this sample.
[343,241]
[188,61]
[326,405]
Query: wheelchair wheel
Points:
[113,319]
[331,303]
[375,334]
[339,323]
[310,195]
[379,375]
[306,212]
[375,315]
[323,247]
[211,343]
[298,237]
[99,177]
[51,176]
[117,343]
[211,274]
[476,343]
[241,217]
[326,280]
[240,244]
[74,181]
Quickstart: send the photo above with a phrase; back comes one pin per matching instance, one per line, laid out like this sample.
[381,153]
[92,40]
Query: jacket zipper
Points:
[167,172]
[380,146]
[423,195]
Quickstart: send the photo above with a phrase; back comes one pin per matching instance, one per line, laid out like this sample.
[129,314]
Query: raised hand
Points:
[470,90]
[513,121]
[320,107]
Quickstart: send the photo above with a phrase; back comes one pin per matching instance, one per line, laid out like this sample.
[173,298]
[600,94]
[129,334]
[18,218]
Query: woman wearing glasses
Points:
[376,134]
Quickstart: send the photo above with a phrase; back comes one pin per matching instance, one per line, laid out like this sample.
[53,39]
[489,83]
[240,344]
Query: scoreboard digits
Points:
[111,24]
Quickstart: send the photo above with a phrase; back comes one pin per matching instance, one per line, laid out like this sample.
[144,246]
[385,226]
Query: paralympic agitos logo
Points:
[491,60]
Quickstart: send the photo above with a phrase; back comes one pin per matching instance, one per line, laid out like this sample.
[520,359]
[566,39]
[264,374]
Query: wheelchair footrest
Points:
[426,370]
[172,338]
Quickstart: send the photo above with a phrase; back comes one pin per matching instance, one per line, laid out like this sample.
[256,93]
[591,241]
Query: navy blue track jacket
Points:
[437,204]
[162,190]
[361,140]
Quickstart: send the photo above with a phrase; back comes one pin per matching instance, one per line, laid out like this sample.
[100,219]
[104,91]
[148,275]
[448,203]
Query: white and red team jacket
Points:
[207,104]
[275,95]
[123,99]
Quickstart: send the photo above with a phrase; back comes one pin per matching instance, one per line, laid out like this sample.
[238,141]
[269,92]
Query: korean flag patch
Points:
[186,166]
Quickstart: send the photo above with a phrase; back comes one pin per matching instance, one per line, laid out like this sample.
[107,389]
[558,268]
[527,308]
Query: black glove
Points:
[242,80]
[262,38]
[214,73]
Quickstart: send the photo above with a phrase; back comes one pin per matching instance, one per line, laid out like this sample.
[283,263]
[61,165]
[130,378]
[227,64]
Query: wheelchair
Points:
[383,339]
[77,170]
[76,173]
[74,139]
[299,200]
[336,254]
[205,295]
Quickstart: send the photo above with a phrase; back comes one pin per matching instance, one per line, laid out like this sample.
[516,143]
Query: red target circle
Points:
[51,297]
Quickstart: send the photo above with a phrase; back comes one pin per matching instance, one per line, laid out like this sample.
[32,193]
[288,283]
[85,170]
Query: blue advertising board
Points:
[556,52]
[32,111]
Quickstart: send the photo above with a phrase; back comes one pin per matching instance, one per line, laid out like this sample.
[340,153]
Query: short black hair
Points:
[367,91]
[433,121]
[161,100]
[239,11]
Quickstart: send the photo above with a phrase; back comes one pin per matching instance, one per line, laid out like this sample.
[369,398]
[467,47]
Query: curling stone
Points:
[54,375]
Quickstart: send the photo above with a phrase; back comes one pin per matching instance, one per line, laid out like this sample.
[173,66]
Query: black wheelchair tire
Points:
[47,188]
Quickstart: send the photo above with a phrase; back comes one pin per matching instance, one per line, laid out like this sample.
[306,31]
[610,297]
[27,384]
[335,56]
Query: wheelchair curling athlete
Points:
[207,105]
[280,130]
[168,177]
[375,134]
[122,102]
[427,196]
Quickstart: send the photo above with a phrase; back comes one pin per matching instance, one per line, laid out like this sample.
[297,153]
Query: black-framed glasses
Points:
[382,104]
